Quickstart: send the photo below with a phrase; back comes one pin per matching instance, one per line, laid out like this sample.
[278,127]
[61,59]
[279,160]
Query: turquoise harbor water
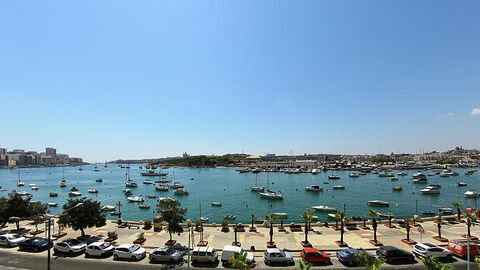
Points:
[233,190]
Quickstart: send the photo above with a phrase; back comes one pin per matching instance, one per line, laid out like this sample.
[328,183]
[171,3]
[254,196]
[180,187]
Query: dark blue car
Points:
[35,244]
[347,257]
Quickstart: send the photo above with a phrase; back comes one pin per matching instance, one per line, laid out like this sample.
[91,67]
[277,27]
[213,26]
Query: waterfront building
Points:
[50,151]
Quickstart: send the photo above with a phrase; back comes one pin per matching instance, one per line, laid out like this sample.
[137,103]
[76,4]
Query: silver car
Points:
[11,240]
[166,254]
[277,256]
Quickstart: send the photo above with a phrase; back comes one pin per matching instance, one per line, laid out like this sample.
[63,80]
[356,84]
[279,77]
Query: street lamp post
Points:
[49,222]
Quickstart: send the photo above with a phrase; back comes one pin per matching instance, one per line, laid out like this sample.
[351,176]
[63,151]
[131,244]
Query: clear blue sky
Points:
[139,79]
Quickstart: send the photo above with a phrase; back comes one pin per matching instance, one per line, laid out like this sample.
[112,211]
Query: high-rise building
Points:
[3,151]
[49,151]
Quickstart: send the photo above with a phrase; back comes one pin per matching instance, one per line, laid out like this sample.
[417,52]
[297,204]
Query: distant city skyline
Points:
[128,80]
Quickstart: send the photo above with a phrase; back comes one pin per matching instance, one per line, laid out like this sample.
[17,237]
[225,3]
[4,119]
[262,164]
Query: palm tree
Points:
[239,261]
[337,218]
[390,216]
[407,226]
[366,260]
[271,219]
[281,229]
[307,216]
[365,220]
[431,263]
[470,218]
[439,220]
[458,206]
[343,217]
[374,215]
[303,266]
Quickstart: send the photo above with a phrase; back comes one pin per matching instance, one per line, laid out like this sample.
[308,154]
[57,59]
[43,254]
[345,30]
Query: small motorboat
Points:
[177,185]
[354,175]
[181,191]
[161,187]
[147,182]
[63,183]
[401,173]
[135,199]
[108,208]
[115,213]
[394,179]
[52,204]
[471,193]
[217,204]
[74,189]
[385,174]
[462,184]
[430,190]
[127,192]
[152,196]
[92,191]
[334,177]
[74,194]
[281,215]
[324,208]
[229,217]
[204,219]
[378,203]
[99,180]
[161,199]
[338,187]
[163,180]
[397,188]
[446,211]
[269,194]
[419,180]
[53,194]
[428,213]
[419,175]
[313,188]
[34,187]
[144,206]
[130,183]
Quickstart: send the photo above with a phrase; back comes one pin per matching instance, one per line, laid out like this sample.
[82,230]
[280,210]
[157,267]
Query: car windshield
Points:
[74,242]
[169,251]
[38,240]
[134,248]
[282,253]
[104,245]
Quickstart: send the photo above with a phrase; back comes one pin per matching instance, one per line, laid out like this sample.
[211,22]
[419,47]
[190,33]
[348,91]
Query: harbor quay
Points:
[320,237]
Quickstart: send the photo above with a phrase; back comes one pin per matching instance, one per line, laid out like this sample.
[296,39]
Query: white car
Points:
[129,251]
[228,251]
[204,255]
[99,249]
[277,256]
[166,254]
[69,245]
[430,250]
[11,240]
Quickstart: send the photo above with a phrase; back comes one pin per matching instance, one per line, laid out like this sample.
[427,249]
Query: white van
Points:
[204,255]
[228,251]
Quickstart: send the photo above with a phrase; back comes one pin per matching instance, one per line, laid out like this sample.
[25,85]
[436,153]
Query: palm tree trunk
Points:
[439,226]
[458,214]
[468,228]
[271,232]
[341,232]
[408,232]
[306,233]
[374,224]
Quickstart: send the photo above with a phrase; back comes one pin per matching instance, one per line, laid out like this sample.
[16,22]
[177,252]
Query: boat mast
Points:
[268,183]
[256,178]
[18,170]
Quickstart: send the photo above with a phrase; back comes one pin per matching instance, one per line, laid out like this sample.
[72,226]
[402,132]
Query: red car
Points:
[314,256]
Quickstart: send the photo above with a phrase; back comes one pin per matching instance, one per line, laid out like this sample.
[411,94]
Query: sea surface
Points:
[232,189]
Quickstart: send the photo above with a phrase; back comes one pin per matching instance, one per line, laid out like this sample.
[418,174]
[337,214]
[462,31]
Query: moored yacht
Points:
[354,175]
[20,183]
[269,194]
[419,175]
[334,177]
[378,203]
[324,208]
[338,187]
[135,199]
[161,187]
[430,190]
[257,187]
[471,193]
[181,191]
[313,188]
[74,194]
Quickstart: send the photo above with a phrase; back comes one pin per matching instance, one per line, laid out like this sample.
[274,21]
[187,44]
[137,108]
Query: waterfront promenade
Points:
[322,238]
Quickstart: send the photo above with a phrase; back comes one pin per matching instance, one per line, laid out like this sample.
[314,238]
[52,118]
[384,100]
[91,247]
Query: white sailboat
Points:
[20,183]
[257,187]
[129,182]
[63,183]
[269,194]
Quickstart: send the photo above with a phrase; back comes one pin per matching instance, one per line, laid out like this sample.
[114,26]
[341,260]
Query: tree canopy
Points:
[172,214]
[85,216]
[18,206]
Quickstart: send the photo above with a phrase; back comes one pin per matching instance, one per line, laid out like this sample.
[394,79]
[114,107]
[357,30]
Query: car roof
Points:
[97,243]
[428,245]
[125,246]
[162,248]
[390,248]
[311,250]
[203,249]
[232,248]
[273,250]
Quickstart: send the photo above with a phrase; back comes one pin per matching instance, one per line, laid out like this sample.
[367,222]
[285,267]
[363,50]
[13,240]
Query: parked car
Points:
[35,244]
[459,248]
[166,254]
[228,251]
[204,255]
[11,240]
[69,245]
[129,251]
[430,250]
[392,254]
[347,256]
[277,256]
[99,249]
[314,256]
